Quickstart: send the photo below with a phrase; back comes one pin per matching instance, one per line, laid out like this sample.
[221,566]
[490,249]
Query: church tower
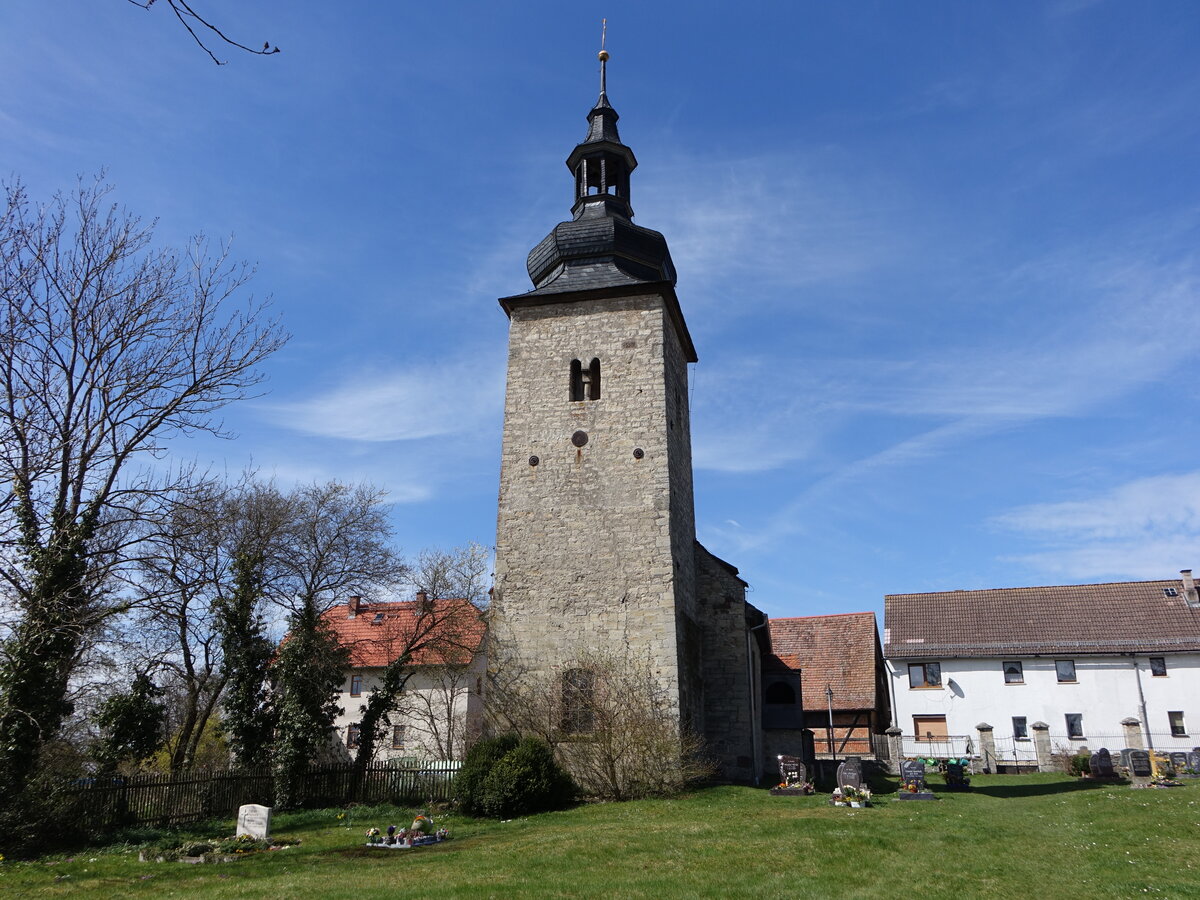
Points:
[595,544]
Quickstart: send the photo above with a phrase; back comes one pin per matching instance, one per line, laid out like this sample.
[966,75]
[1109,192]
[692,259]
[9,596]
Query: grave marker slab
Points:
[912,773]
[255,821]
[792,770]
[1194,761]
[1179,761]
[849,773]
[1101,764]
[1139,768]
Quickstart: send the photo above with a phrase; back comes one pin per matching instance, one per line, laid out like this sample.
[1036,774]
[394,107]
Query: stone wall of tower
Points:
[590,545]
[731,669]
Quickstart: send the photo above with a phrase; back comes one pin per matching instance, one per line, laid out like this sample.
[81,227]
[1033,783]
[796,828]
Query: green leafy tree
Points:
[248,715]
[308,673]
[131,725]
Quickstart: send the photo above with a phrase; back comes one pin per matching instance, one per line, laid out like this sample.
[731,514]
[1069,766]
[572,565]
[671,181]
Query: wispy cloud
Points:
[401,404]
[1147,528]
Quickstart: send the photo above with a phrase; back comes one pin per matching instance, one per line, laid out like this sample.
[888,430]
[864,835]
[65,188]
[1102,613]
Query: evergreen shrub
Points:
[508,778]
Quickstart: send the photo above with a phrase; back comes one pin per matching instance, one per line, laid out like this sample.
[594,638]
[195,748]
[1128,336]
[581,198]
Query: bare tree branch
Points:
[186,15]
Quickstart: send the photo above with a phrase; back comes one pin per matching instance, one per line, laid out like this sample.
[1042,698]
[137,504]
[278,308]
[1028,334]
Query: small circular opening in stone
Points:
[579,438]
[638,453]
[533,460]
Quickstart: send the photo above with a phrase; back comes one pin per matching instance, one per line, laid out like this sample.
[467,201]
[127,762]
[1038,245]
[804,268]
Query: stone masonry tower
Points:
[596,540]
[595,534]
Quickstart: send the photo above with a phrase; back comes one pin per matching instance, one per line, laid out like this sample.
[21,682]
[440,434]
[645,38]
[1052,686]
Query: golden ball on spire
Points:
[603,55]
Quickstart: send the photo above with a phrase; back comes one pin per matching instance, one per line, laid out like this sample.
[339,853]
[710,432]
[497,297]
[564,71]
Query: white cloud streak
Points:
[1147,528]
[402,404]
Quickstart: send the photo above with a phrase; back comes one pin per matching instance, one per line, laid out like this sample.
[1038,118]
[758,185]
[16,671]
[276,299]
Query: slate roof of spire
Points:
[1076,619]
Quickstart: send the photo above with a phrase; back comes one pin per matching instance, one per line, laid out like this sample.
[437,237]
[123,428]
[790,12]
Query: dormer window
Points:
[585,383]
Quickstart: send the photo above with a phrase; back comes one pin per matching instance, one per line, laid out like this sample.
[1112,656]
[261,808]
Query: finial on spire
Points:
[603,54]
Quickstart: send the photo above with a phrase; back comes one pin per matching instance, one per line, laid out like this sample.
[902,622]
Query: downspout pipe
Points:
[1142,707]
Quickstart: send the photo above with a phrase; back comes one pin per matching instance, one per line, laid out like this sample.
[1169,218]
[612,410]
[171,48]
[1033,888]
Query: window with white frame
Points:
[1013,673]
[1020,728]
[1158,666]
[1178,729]
[1065,668]
[1074,725]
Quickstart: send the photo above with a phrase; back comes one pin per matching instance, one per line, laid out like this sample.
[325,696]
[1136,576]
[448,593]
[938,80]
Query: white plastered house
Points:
[441,707]
[1088,665]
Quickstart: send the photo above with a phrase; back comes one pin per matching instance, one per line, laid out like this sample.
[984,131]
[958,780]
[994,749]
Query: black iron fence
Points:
[102,804]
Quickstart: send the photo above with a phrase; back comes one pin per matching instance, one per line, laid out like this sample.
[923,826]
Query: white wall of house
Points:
[440,708]
[1105,692]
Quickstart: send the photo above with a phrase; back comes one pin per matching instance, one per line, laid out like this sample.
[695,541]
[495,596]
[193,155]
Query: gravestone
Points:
[1179,761]
[793,774]
[849,773]
[1125,757]
[792,770]
[912,774]
[1101,765]
[1139,768]
[1194,762]
[255,821]
[956,777]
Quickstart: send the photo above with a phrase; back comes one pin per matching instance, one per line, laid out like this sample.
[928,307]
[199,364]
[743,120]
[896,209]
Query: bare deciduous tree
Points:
[108,346]
[609,720]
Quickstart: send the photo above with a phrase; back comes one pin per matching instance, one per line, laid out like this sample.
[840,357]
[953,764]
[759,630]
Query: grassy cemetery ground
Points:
[1049,835]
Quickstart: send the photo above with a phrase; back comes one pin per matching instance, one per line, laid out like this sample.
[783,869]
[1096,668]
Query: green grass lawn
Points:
[1013,836]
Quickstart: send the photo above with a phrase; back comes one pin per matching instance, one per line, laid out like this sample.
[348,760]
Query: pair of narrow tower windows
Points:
[585,383]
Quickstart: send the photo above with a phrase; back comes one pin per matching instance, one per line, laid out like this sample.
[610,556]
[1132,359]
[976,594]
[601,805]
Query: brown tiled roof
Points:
[449,633]
[1121,617]
[835,651]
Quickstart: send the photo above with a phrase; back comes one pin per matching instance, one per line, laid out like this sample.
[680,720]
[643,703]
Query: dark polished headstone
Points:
[849,773]
[912,772]
[1101,765]
[792,770]
[1139,764]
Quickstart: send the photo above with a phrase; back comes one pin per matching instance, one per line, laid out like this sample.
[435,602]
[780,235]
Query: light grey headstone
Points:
[255,821]
[1179,761]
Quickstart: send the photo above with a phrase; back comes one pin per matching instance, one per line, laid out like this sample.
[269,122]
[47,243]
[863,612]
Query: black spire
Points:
[600,246]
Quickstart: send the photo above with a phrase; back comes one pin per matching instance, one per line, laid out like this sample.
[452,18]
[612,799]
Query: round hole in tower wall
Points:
[533,460]
[638,453]
[579,438]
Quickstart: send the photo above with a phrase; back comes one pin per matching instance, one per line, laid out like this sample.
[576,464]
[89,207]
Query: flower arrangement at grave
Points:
[421,832]
[848,795]
[806,787]
[1162,781]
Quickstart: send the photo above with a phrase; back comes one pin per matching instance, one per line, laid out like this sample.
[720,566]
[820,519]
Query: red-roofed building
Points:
[809,656]
[442,702]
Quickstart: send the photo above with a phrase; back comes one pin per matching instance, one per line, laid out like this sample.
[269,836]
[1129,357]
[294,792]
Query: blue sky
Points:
[940,259]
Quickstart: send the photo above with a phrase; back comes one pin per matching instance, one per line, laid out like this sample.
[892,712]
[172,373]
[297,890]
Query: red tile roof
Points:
[1120,617]
[447,632]
[835,651]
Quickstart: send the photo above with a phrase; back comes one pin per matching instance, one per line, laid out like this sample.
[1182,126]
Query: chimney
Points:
[354,606]
[1190,595]
[423,601]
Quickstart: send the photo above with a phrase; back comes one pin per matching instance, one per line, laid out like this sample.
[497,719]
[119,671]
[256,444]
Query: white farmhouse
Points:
[441,706]
[1043,670]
